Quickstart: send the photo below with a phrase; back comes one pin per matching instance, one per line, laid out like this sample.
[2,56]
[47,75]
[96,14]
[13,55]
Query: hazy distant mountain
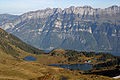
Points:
[78,28]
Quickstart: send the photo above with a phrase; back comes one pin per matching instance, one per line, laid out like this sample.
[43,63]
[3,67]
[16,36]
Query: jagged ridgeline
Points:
[77,28]
[13,45]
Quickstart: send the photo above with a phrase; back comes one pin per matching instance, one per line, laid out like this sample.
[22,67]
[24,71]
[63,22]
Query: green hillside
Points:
[12,45]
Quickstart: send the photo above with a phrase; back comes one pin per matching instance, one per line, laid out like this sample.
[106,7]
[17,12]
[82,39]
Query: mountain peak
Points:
[87,6]
[114,7]
[57,10]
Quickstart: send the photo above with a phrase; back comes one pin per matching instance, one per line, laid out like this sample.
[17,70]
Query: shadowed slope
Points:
[14,46]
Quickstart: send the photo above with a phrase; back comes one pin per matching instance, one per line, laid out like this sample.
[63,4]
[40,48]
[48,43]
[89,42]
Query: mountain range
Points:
[77,28]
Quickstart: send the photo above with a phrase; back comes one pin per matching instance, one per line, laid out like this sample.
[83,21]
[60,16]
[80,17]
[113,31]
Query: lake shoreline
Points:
[82,67]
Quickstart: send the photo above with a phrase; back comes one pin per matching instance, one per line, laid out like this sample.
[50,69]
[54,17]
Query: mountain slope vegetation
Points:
[12,45]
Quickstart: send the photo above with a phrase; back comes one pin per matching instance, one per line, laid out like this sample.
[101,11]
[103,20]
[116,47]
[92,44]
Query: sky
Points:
[18,7]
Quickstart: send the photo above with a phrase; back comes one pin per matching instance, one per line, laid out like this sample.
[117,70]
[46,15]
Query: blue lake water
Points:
[115,54]
[29,58]
[83,67]
[63,78]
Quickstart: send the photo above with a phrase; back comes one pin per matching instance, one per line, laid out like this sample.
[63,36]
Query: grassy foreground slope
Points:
[21,70]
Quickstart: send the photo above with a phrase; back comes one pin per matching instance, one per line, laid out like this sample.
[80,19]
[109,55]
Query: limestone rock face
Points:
[78,28]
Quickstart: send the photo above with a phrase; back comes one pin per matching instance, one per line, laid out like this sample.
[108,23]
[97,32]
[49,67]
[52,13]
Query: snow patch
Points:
[117,77]
[40,29]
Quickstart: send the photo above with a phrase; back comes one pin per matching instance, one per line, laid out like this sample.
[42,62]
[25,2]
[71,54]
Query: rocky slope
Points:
[79,28]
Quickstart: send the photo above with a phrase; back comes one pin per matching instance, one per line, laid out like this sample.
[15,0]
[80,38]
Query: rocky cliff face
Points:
[78,28]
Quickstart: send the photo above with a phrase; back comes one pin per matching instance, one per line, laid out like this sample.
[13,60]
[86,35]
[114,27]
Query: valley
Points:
[15,69]
[86,63]
[79,41]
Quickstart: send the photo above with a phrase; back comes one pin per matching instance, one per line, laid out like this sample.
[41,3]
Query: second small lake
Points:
[83,67]
[29,58]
